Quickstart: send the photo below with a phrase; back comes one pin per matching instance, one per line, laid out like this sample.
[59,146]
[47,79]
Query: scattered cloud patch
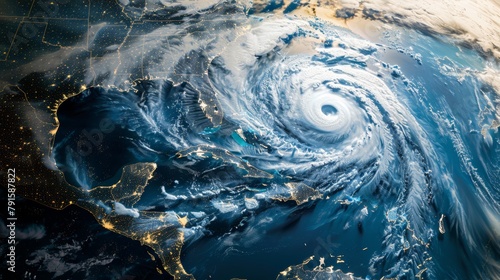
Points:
[120,209]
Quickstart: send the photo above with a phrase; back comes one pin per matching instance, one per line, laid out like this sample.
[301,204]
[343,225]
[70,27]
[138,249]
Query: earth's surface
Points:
[251,140]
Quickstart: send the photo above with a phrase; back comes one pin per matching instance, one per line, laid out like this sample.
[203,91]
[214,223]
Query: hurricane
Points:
[284,140]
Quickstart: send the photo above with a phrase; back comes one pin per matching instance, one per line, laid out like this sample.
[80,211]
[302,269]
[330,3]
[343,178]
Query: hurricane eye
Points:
[328,110]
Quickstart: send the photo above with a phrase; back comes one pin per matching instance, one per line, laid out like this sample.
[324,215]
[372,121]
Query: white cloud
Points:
[120,209]
[251,203]
[31,232]
[224,206]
